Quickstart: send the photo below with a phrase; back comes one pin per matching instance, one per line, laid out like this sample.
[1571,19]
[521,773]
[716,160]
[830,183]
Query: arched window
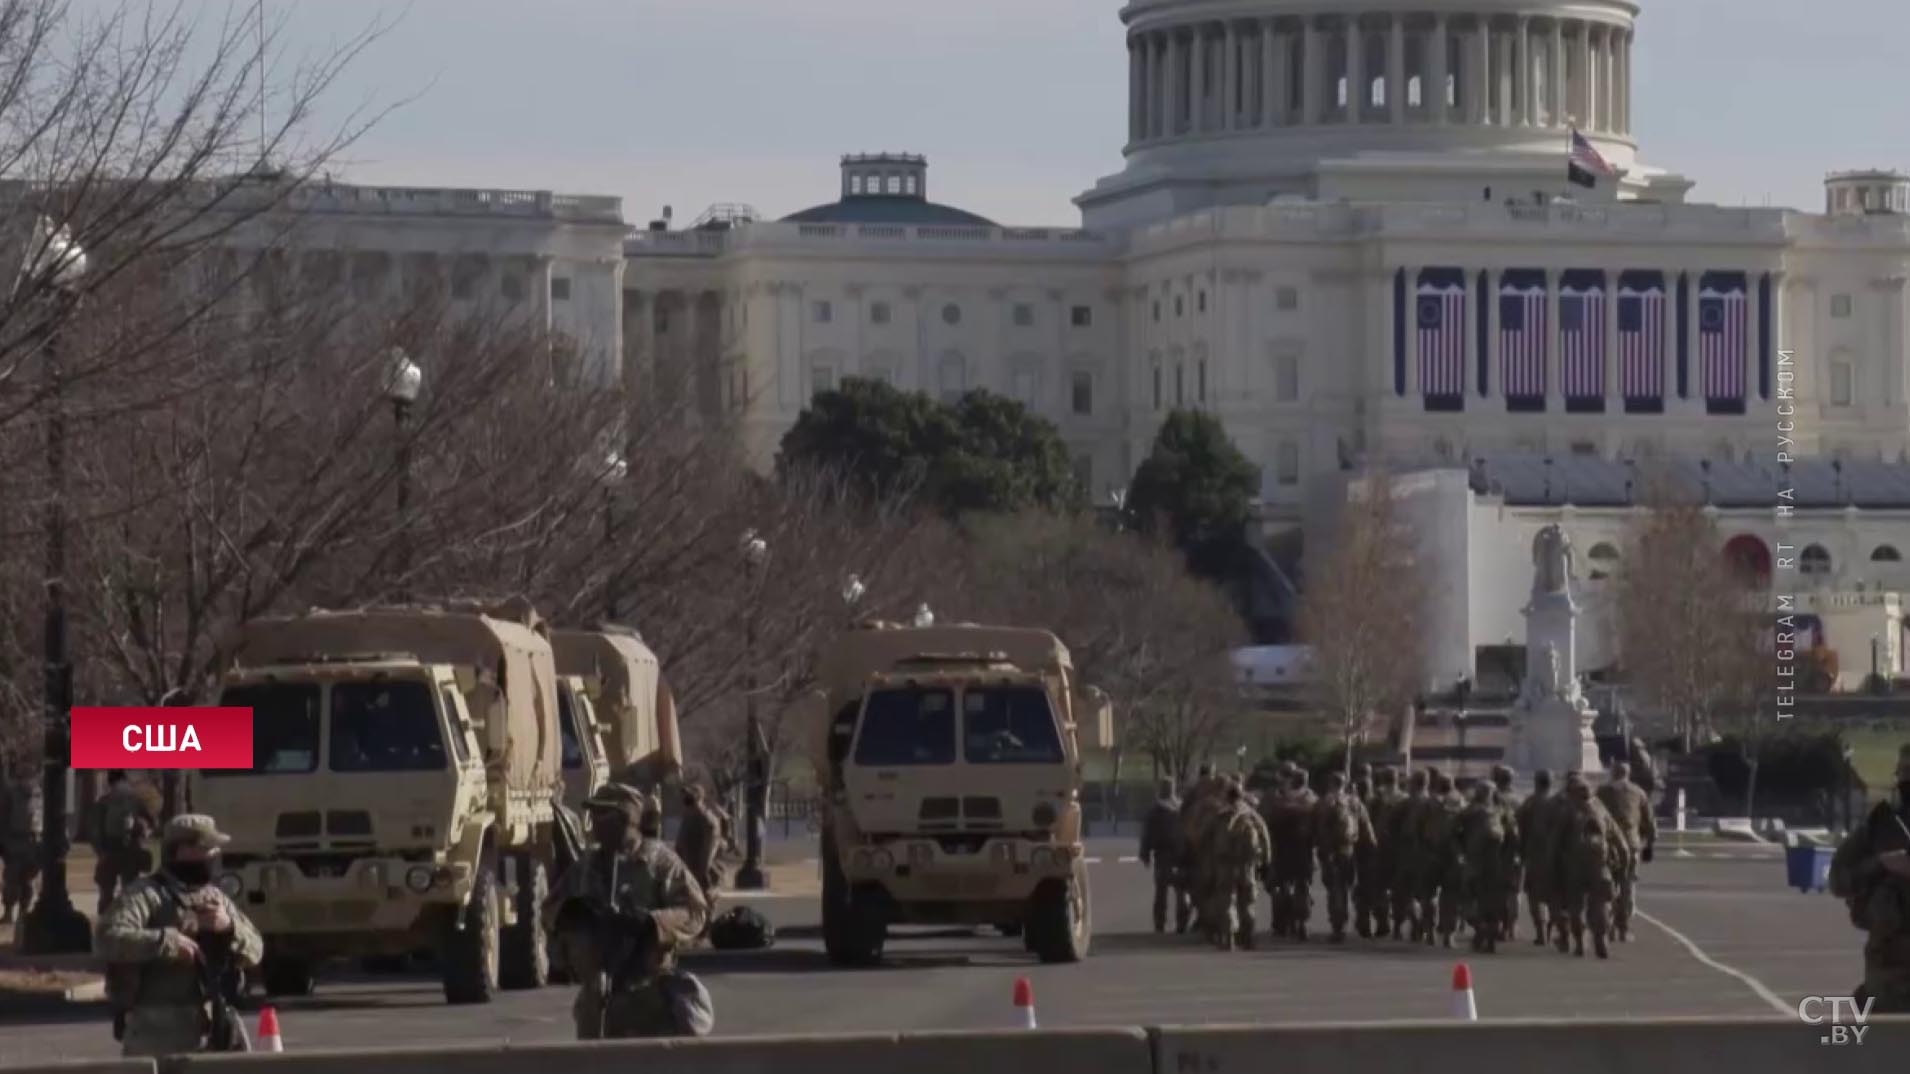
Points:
[1749,558]
[952,377]
[1415,91]
[1884,553]
[1604,561]
[1815,560]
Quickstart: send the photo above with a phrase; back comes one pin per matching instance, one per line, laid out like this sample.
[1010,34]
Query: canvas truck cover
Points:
[633,702]
[876,646]
[525,745]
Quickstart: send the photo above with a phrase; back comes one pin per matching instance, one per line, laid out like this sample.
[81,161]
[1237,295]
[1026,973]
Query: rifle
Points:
[221,980]
[623,941]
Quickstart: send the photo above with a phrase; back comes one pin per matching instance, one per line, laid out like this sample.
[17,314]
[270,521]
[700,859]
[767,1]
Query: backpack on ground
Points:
[741,929]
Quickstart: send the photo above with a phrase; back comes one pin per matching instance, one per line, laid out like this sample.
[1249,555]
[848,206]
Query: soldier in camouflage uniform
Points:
[1240,854]
[152,936]
[1441,878]
[1591,852]
[1342,835]
[20,815]
[1376,876]
[699,837]
[1871,873]
[1199,807]
[1290,820]
[1161,850]
[1630,806]
[1482,840]
[119,843]
[656,904]
[1402,837]
[1508,800]
[1537,839]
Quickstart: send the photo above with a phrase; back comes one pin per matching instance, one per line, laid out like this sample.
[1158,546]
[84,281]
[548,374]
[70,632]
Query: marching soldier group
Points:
[1422,863]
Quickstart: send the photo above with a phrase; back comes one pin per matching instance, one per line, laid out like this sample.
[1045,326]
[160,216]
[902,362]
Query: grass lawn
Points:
[1874,746]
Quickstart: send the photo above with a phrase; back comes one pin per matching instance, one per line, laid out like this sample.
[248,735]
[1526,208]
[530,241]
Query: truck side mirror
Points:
[1101,711]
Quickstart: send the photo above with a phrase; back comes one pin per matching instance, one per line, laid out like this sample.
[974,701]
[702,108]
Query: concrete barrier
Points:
[85,1066]
[1103,1051]
[1747,1046]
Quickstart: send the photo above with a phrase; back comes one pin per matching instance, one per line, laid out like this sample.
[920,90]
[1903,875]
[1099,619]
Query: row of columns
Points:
[1515,71]
[1691,403]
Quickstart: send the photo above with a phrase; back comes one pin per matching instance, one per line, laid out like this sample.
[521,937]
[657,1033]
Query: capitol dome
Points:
[887,188]
[1238,101]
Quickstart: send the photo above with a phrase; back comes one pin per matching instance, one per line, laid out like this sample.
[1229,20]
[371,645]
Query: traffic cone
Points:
[269,1040]
[1025,1002]
[1464,1007]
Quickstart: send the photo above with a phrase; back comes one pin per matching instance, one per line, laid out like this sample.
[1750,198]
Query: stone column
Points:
[1495,343]
[1587,116]
[1230,83]
[1777,330]
[1273,82]
[1173,89]
[1396,70]
[1411,313]
[1524,79]
[1311,80]
[1134,95]
[1624,83]
[1484,107]
[1694,367]
[1357,91]
[1440,47]
[1554,354]
[1197,87]
[1555,73]
[1608,86]
[1151,90]
[1614,395]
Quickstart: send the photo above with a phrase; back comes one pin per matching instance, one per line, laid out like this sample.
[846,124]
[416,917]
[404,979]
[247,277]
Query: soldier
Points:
[1482,839]
[1508,800]
[1198,810]
[20,813]
[1536,849]
[1377,867]
[1241,852]
[622,914]
[1871,873]
[119,844]
[1591,852]
[161,934]
[1290,820]
[1630,807]
[1342,834]
[1161,850]
[1440,875]
[1402,836]
[698,837]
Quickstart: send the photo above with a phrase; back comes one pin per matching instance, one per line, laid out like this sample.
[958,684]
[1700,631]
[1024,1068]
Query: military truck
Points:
[633,705]
[402,797]
[585,759]
[951,772]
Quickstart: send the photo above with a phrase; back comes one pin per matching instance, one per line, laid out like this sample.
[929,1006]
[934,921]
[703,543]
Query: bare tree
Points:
[1365,611]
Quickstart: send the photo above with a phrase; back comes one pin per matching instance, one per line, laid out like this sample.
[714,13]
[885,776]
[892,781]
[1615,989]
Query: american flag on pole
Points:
[1722,341]
[1441,316]
[1641,342]
[1582,342]
[1584,165]
[1522,341]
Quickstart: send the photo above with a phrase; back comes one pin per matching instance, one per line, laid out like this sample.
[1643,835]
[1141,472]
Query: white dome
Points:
[1259,97]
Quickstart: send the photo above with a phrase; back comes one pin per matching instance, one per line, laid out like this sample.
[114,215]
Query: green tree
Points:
[1199,487]
[984,453]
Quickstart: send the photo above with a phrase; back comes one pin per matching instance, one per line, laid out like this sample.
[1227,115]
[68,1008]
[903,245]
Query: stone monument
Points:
[1552,723]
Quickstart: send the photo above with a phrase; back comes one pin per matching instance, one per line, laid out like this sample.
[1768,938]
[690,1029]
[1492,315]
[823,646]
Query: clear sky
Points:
[1019,104]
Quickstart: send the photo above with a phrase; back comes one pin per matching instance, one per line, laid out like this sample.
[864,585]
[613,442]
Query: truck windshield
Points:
[908,726]
[567,726]
[284,728]
[1009,725]
[385,727]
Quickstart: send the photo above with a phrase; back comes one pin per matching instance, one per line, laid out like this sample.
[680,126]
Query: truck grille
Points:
[298,825]
[348,822]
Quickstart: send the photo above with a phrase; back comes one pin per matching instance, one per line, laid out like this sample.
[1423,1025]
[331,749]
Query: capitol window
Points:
[879,313]
[1286,378]
[1840,384]
[954,378]
[1884,553]
[1202,307]
[822,312]
[512,287]
[951,314]
[1180,306]
[1840,306]
[1083,392]
[1157,386]
[1157,311]
[1286,299]
[1081,316]
[560,288]
[1200,380]
[1287,464]
[822,378]
[1815,560]
[1024,315]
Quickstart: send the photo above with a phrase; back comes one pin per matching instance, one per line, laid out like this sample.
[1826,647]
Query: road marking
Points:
[1130,860]
[1092,861]
[746,895]
[1697,952]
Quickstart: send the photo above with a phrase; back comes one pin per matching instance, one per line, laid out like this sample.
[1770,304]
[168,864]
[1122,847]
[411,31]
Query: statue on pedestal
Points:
[1552,723]
[1551,562]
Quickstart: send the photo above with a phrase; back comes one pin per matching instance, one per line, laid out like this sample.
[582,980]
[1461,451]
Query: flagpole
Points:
[259,12]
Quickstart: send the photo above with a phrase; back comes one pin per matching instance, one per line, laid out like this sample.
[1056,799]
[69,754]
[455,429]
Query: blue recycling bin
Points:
[1807,867]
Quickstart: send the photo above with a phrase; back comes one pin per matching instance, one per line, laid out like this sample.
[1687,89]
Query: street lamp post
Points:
[756,781]
[614,472]
[852,593]
[54,926]
[402,385]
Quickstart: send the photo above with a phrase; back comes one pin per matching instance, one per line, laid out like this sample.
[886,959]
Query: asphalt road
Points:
[1722,937]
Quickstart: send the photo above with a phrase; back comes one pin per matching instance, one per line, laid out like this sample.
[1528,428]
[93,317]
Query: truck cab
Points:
[586,763]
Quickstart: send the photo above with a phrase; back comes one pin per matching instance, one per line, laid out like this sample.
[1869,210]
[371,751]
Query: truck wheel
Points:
[524,949]
[838,940]
[470,959]
[1058,929]
[289,977]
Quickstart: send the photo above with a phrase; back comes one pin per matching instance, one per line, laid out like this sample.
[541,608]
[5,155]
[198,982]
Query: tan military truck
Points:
[402,795]
[586,761]
[950,772]
[632,703]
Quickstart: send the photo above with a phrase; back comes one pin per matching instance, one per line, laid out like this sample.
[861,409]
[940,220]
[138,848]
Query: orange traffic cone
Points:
[1464,1007]
[269,1040]
[1025,1002]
